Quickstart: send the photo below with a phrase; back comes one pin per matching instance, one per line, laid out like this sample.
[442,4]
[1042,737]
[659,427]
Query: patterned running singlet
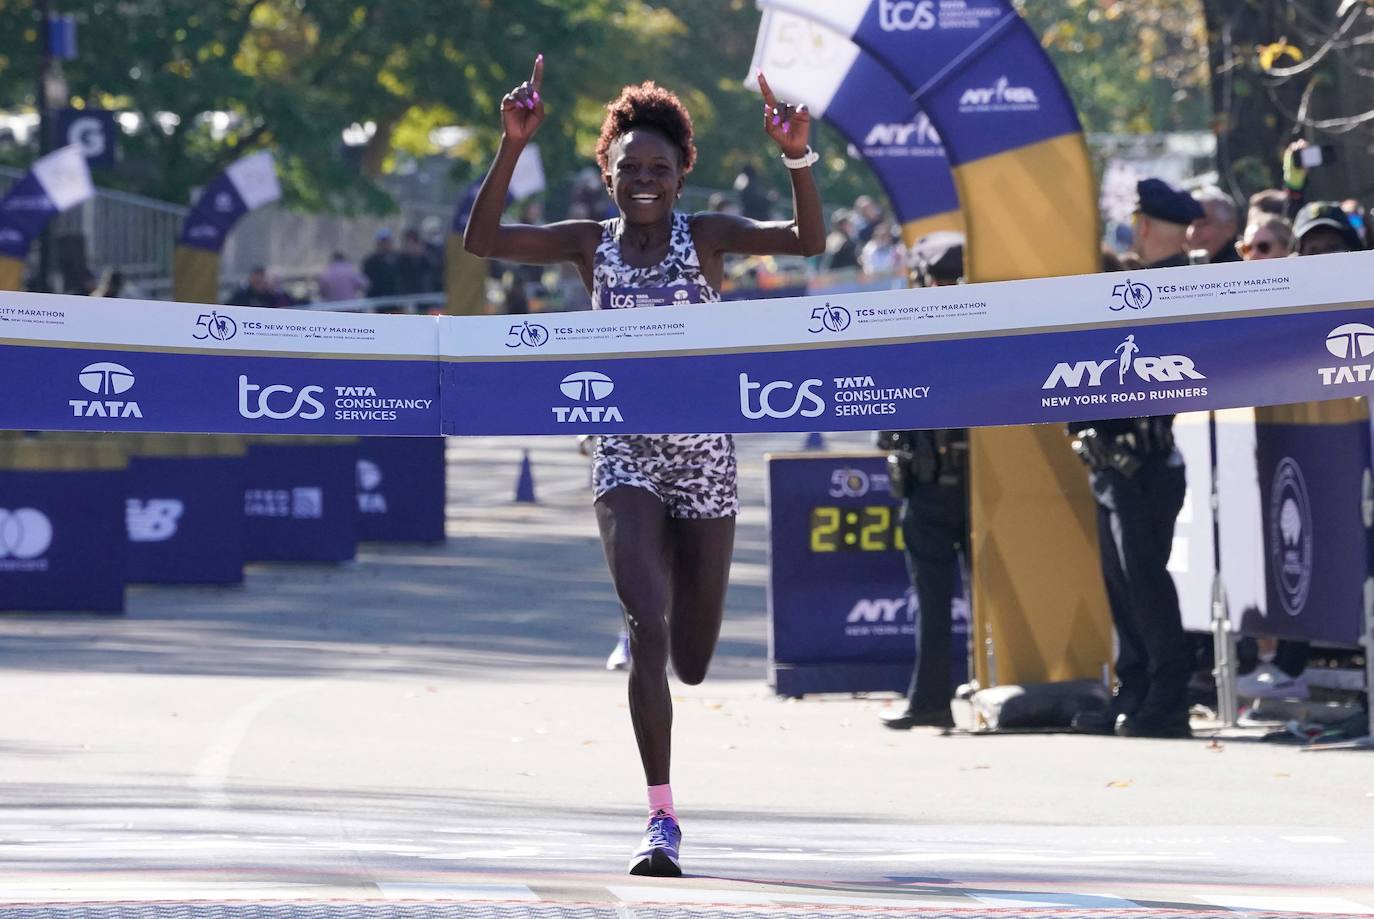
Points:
[694,475]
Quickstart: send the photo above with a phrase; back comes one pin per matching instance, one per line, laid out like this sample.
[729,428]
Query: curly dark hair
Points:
[647,105]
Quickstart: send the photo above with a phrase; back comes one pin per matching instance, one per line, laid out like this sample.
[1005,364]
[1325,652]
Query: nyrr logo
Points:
[829,318]
[906,15]
[256,401]
[883,610]
[918,131]
[1131,295]
[767,407]
[370,501]
[1000,97]
[154,520]
[1290,536]
[587,387]
[105,379]
[1349,342]
[1167,368]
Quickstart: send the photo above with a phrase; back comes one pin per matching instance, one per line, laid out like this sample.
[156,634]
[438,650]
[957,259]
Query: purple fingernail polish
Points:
[536,96]
[787,129]
[776,119]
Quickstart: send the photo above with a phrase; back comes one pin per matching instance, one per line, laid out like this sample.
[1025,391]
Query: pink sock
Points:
[661,801]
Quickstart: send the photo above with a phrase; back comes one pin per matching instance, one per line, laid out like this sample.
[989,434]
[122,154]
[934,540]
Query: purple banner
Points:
[24,212]
[208,224]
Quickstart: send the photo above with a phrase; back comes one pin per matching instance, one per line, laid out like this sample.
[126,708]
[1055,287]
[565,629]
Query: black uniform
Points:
[1138,480]
[929,471]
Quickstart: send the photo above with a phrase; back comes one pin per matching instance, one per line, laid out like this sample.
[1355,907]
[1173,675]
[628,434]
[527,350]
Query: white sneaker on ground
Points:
[620,655]
[1269,682]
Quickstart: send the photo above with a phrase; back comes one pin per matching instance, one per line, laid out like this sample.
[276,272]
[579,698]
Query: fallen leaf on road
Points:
[1119,784]
[1216,746]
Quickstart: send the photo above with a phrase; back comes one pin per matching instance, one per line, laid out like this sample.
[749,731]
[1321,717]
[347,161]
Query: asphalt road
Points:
[435,723]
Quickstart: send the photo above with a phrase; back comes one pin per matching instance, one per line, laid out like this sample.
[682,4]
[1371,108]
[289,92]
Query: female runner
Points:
[665,504]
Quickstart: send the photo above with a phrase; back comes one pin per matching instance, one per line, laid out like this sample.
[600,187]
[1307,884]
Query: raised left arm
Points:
[790,128]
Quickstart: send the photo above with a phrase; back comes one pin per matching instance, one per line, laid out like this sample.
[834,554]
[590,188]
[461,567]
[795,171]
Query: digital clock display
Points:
[852,528]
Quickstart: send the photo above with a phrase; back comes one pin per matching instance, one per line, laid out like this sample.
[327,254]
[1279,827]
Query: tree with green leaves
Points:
[214,81]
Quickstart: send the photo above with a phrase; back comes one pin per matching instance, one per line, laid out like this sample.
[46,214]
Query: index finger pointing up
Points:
[768,96]
[537,78]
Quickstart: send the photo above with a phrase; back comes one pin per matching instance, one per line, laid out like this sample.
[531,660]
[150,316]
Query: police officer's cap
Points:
[1160,200]
[1327,214]
[940,255]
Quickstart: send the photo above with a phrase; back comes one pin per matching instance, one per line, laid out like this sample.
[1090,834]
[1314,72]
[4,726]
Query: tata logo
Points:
[1349,342]
[1290,536]
[771,399]
[105,379]
[224,202]
[587,387]
[370,501]
[829,318]
[1002,96]
[906,15]
[1131,295]
[154,520]
[905,133]
[1168,368]
[215,325]
[25,534]
[279,402]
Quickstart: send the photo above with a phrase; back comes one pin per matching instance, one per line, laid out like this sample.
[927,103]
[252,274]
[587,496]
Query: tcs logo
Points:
[906,15]
[805,393]
[254,401]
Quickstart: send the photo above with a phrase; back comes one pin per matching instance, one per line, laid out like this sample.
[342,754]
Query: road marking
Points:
[1081,901]
[422,891]
[649,894]
[211,772]
[1289,904]
[1314,840]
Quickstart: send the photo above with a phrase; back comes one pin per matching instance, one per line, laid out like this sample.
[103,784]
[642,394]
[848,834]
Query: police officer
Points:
[1161,222]
[1137,477]
[928,471]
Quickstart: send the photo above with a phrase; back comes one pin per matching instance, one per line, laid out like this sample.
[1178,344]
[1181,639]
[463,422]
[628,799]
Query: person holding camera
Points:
[929,472]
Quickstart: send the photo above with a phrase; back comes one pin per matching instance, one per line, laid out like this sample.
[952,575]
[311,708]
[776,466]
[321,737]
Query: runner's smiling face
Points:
[644,176]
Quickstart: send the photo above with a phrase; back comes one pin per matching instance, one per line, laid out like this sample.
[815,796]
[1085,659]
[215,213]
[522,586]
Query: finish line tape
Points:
[1016,352]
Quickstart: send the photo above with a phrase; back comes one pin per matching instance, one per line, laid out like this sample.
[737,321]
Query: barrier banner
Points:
[1026,352]
[299,502]
[62,542]
[841,611]
[1046,350]
[401,489]
[118,365]
[809,63]
[1316,510]
[184,518]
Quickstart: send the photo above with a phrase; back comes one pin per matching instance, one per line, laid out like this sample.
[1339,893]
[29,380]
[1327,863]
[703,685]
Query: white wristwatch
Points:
[802,162]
